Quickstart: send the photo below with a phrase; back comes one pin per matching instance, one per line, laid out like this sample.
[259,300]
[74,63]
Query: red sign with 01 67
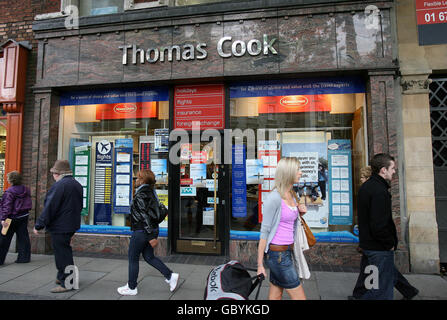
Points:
[431,11]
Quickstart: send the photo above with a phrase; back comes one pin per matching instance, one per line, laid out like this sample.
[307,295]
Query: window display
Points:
[108,135]
[319,121]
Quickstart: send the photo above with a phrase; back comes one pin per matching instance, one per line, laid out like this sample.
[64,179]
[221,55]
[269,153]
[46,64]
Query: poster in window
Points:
[310,148]
[269,154]
[161,143]
[103,183]
[239,182]
[340,168]
[160,169]
[123,176]
[81,173]
[255,171]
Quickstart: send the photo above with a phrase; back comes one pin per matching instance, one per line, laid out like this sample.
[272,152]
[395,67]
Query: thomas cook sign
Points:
[226,48]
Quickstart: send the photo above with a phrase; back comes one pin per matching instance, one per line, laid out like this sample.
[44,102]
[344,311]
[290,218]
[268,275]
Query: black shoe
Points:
[25,261]
[412,296]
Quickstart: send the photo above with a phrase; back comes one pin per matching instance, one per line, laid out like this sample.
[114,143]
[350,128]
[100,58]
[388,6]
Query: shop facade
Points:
[210,101]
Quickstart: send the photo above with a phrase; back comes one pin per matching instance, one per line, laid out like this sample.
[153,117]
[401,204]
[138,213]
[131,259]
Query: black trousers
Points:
[63,254]
[401,283]
[20,228]
[322,185]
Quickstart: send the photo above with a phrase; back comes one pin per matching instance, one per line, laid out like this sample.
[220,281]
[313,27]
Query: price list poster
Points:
[340,182]
[269,153]
[239,182]
[103,183]
[123,176]
[82,174]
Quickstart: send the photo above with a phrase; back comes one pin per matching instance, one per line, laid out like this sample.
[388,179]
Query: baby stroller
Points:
[231,281]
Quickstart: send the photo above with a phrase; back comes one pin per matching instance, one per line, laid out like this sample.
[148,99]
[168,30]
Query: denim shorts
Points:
[282,269]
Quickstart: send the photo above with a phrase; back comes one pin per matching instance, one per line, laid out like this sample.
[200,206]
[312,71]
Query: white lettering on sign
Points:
[226,48]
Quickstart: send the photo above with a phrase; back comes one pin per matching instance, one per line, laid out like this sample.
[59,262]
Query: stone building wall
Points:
[417,64]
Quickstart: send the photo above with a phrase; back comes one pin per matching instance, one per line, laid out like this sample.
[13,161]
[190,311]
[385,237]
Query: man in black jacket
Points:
[61,217]
[377,232]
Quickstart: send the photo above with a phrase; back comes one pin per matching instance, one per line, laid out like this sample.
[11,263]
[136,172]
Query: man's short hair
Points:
[379,161]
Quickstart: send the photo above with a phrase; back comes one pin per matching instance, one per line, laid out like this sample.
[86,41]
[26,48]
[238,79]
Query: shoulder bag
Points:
[311,240]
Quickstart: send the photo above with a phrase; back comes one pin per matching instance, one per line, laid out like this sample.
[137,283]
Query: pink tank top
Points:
[284,232]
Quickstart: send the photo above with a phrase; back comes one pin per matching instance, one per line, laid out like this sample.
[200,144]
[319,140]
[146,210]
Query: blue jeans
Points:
[384,261]
[282,269]
[400,282]
[139,244]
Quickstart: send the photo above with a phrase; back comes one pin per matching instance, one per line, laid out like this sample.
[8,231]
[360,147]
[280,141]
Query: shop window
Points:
[98,7]
[320,121]
[108,136]
[194,2]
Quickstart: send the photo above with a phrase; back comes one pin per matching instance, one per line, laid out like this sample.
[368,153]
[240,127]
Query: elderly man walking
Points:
[61,217]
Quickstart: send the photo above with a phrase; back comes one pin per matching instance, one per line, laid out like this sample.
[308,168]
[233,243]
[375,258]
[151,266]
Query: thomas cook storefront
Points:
[211,105]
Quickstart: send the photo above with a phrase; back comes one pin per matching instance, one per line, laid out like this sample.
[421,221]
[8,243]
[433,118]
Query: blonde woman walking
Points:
[280,243]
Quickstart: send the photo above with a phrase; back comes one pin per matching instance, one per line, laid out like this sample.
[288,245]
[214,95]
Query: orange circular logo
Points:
[294,101]
[125,108]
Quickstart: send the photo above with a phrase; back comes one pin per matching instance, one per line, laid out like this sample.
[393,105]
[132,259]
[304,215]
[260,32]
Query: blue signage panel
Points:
[103,183]
[340,182]
[122,194]
[109,96]
[310,86]
[239,182]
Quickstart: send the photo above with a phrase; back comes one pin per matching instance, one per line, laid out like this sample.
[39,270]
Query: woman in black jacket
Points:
[144,224]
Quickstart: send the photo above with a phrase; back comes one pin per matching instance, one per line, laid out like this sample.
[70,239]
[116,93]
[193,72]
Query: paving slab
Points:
[335,285]
[103,265]
[6,276]
[429,286]
[188,294]
[311,290]
[121,273]
[18,286]
[99,290]
[86,278]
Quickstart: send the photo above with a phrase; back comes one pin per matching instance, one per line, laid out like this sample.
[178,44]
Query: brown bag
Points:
[309,235]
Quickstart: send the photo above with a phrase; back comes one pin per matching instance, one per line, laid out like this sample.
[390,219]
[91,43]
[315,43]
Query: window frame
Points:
[128,6]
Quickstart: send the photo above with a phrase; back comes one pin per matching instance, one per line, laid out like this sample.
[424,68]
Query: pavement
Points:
[100,277]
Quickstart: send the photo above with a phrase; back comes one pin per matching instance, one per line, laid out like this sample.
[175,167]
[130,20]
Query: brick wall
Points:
[16,19]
